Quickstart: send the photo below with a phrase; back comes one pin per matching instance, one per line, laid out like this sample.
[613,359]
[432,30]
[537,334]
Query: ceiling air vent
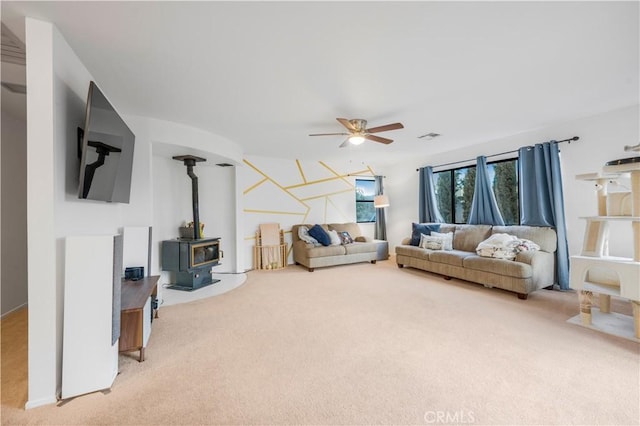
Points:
[429,136]
[224,165]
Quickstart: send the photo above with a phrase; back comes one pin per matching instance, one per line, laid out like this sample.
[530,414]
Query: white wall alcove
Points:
[218,190]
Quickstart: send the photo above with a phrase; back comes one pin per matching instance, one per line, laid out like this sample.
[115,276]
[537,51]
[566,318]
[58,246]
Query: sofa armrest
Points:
[542,265]
[363,239]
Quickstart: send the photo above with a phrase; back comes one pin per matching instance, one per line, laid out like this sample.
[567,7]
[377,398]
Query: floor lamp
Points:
[380,202]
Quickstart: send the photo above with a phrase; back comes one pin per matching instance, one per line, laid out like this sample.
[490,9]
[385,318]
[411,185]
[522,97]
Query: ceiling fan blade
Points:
[346,123]
[329,134]
[385,128]
[378,139]
[345,143]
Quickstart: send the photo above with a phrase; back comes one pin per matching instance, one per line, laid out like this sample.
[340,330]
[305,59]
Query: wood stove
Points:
[191,258]
[191,261]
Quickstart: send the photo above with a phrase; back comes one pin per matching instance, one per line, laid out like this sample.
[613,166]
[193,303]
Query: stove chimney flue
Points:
[190,161]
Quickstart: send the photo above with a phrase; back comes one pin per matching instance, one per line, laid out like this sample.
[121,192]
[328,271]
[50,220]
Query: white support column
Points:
[41,243]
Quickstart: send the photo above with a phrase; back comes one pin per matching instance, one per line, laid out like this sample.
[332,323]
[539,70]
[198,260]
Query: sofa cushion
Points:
[453,257]
[467,237]
[411,251]
[322,251]
[295,231]
[431,242]
[320,234]
[447,227]
[447,239]
[335,238]
[303,234]
[545,237]
[498,266]
[345,237]
[352,228]
[357,247]
[418,229]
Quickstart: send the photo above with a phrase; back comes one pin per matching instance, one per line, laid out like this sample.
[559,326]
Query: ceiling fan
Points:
[358,131]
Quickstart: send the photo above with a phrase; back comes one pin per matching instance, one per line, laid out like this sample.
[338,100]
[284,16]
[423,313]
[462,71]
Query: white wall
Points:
[14,213]
[297,191]
[602,138]
[265,189]
[173,208]
[58,84]
[172,187]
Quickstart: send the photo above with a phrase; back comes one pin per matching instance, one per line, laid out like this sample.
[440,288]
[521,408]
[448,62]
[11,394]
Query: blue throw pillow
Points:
[422,228]
[320,234]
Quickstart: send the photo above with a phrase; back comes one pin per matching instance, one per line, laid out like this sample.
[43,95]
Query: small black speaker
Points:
[134,273]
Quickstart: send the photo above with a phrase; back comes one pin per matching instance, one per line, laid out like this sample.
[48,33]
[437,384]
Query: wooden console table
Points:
[136,312]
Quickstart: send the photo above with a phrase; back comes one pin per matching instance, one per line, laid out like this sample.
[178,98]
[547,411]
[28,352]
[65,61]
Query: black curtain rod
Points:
[369,176]
[575,138]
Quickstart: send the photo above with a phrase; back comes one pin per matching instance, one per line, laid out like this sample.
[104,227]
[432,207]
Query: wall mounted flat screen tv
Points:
[106,152]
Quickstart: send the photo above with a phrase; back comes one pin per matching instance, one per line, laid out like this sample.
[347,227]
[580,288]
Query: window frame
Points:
[453,186]
[364,201]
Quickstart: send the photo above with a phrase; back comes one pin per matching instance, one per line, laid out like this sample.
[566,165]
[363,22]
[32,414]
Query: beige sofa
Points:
[363,249]
[530,271]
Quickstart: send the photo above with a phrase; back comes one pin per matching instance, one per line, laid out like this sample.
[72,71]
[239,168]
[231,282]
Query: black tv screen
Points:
[106,152]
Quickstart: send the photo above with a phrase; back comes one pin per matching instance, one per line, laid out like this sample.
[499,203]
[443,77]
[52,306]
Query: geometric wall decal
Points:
[277,201]
[289,192]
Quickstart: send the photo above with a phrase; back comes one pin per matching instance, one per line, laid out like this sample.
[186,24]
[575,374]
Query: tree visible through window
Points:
[454,191]
[465,182]
[365,191]
[442,184]
[505,187]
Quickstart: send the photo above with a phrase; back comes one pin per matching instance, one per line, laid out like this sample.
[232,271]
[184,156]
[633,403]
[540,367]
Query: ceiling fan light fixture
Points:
[356,139]
[358,132]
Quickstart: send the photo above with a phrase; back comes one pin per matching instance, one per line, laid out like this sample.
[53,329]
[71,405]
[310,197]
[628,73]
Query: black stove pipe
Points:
[190,161]
[194,199]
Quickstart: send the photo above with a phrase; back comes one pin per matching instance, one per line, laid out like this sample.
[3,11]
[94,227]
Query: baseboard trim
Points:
[40,402]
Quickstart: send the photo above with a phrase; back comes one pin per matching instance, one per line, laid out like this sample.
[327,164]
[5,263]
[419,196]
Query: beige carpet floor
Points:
[366,344]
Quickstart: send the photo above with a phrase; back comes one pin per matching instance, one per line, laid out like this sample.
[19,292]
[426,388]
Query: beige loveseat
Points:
[363,249]
[530,271]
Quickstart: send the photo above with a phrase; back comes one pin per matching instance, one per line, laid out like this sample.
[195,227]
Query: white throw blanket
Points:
[504,246]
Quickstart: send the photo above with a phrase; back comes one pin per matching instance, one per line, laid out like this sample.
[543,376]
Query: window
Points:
[504,178]
[454,191]
[465,182]
[365,191]
[442,185]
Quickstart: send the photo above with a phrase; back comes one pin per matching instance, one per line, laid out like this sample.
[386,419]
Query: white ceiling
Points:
[266,74]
